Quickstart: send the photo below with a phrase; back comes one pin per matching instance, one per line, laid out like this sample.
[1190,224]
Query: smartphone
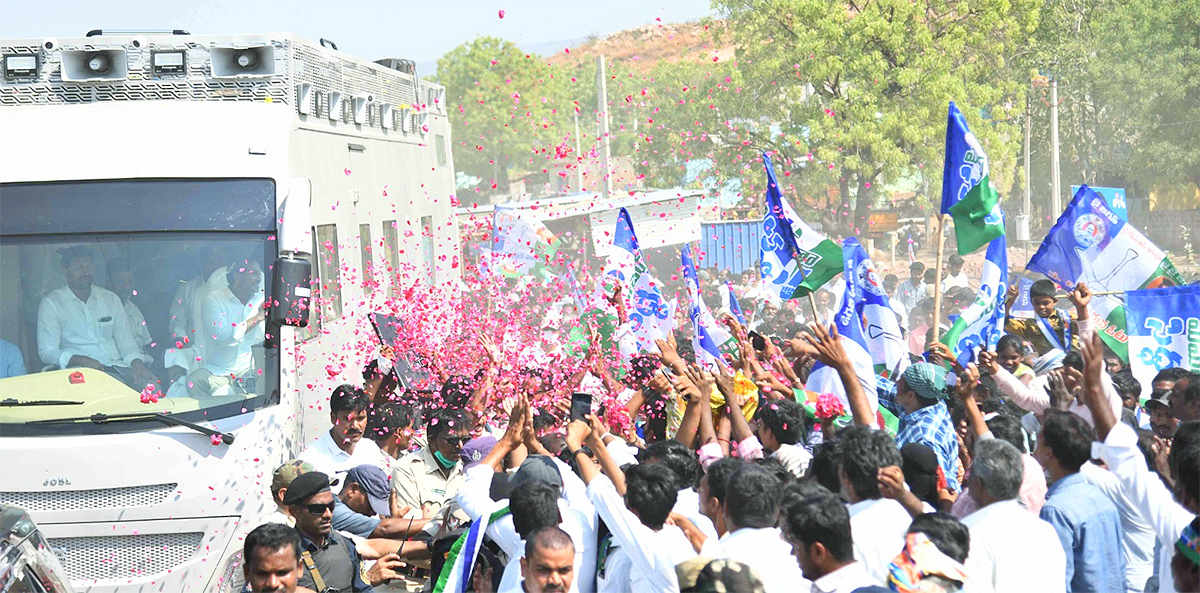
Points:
[757,340]
[581,405]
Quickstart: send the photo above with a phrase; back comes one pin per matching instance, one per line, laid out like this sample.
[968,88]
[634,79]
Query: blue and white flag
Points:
[460,561]
[734,307]
[824,379]
[1023,307]
[885,341]
[796,260]
[653,318]
[981,324]
[709,336]
[1163,325]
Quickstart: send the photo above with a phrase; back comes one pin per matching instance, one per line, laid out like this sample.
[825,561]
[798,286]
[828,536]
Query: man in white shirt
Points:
[82,325]
[911,291]
[752,502]
[546,494]
[879,523]
[1011,550]
[955,276]
[779,426]
[231,324]
[1168,513]
[683,465]
[342,447]
[121,280]
[816,525]
[547,565]
[638,521]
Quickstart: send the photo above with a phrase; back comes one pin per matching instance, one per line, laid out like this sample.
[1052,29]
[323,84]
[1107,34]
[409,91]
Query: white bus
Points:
[161,169]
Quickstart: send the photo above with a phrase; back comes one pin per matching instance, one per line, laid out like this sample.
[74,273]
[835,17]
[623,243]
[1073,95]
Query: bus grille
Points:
[124,556]
[103,498]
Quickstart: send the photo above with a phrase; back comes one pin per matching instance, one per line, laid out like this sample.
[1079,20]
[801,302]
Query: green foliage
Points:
[864,86]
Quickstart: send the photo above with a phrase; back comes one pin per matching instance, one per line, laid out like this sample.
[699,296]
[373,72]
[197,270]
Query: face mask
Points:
[441,459]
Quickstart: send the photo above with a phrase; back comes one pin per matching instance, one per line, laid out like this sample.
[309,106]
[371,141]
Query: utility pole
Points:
[578,153]
[1026,206]
[1055,180]
[602,110]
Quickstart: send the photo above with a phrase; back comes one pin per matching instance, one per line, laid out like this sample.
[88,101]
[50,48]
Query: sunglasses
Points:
[456,440]
[319,509]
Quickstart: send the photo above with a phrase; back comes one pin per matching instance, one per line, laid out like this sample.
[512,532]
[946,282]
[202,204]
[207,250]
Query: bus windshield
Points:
[119,322]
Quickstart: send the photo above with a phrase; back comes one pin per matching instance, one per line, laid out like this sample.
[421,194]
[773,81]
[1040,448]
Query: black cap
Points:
[305,486]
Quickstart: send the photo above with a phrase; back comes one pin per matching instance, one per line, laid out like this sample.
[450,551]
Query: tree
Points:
[864,85]
[506,108]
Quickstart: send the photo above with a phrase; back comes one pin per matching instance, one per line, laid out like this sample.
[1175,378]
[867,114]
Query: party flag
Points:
[885,341]
[709,337]
[967,193]
[1163,325]
[796,260]
[1091,244]
[652,317]
[981,324]
[824,379]
[734,307]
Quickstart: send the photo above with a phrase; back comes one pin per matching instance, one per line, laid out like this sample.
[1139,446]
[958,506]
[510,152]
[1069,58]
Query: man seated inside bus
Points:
[184,315]
[83,325]
[231,324]
[120,278]
[12,363]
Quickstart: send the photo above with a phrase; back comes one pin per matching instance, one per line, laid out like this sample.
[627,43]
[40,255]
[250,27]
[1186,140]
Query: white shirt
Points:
[98,329]
[688,505]
[329,459]
[952,281]
[794,457]
[878,527]
[1137,534]
[765,551]
[1146,492]
[223,334]
[137,324]
[652,554]
[1012,550]
[578,521]
[844,580]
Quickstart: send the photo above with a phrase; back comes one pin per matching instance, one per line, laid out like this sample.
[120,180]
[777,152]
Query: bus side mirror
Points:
[291,292]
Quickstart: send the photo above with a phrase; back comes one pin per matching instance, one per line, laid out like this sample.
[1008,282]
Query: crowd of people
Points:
[1035,468]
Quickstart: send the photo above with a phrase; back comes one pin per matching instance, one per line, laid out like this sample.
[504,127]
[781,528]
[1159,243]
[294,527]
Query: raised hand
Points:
[1056,388]
[829,349]
[1081,297]
[988,362]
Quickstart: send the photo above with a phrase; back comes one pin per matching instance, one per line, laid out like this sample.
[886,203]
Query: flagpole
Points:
[937,290]
[1101,293]
[813,303]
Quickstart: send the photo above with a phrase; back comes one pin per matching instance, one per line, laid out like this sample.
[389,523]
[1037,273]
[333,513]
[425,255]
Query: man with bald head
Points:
[549,562]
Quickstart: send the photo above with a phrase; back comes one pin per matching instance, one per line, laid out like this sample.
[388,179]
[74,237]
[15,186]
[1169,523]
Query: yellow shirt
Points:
[1030,329]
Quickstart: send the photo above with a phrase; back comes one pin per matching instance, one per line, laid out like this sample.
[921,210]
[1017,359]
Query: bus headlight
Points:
[232,578]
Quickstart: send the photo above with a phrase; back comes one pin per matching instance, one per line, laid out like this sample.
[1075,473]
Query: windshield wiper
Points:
[164,418]
[12,402]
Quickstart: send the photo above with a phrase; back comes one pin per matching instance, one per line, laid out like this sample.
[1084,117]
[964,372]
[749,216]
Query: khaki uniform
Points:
[419,482]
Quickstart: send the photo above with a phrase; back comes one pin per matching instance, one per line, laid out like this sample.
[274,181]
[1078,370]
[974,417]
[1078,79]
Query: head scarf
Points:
[919,559]
[1189,542]
[1048,361]
[927,379]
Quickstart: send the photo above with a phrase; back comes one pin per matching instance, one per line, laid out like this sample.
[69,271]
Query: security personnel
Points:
[330,561]
[427,480]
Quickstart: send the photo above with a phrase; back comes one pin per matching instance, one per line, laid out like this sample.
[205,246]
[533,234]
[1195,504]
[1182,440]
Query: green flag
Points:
[967,193]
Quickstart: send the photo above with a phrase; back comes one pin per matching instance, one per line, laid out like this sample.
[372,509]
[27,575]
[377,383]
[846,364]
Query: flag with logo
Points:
[709,337]
[734,307]
[460,561]
[521,245]
[796,260]
[1091,244]
[1023,307]
[967,194]
[981,324]
[1163,325]
[824,379]
[653,318]
[885,341]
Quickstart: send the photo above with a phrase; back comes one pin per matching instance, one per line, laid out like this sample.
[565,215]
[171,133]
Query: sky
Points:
[421,31]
